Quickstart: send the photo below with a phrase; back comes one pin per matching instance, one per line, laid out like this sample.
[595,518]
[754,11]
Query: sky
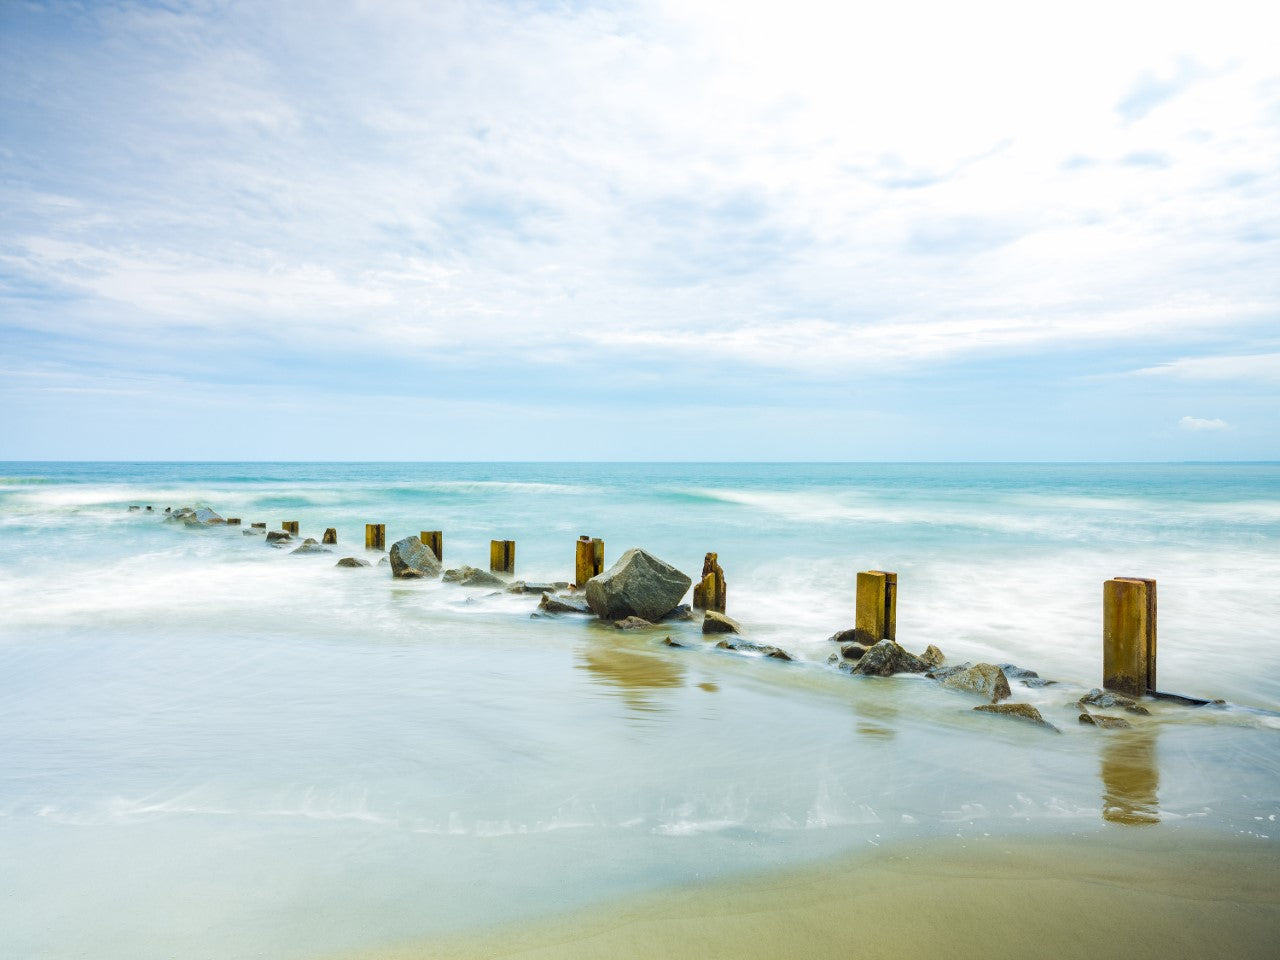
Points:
[436,230]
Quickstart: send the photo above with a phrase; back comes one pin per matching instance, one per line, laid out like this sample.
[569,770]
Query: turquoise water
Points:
[215,748]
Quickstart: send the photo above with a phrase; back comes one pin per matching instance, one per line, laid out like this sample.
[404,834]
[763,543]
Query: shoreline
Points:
[1132,892]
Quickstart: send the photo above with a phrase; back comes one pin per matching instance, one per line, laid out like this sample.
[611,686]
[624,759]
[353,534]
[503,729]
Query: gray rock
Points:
[672,643]
[682,612]
[714,622]
[467,576]
[851,651]
[985,679]
[746,646]
[352,562]
[1107,699]
[885,659]
[279,537]
[550,603]
[311,545]
[1023,711]
[134,509]
[633,623]
[932,656]
[251,533]
[412,559]
[522,586]
[1107,723]
[206,516]
[639,584]
[844,636]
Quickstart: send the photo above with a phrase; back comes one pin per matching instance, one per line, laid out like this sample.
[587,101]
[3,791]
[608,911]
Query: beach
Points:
[218,748]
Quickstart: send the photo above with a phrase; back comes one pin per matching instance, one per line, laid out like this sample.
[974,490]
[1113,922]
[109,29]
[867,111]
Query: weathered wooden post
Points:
[502,556]
[710,594]
[1129,635]
[375,536]
[875,615]
[233,521]
[435,540]
[290,527]
[588,560]
[330,535]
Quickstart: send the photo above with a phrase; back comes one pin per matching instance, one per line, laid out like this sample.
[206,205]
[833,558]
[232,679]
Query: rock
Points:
[521,586]
[985,679]
[550,603]
[746,646]
[633,623]
[672,643]
[885,659]
[1107,723]
[352,562]
[1023,711]
[251,533]
[133,509]
[844,636]
[279,537]
[639,584]
[412,559]
[206,516]
[182,513]
[467,576]
[1105,699]
[311,545]
[682,612]
[852,651]
[932,656]
[714,622]
[1018,673]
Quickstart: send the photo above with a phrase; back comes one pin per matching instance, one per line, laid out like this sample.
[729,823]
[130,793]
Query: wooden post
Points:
[710,594]
[1129,635]
[435,540]
[290,527]
[589,559]
[502,556]
[375,536]
[875,615]
[330,535]
[233,521]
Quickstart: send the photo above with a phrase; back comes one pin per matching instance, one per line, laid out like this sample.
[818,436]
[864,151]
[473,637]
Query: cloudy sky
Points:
[425,229]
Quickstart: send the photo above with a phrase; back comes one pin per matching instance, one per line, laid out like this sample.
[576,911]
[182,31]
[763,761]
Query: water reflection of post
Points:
[1130,778]
[632,674]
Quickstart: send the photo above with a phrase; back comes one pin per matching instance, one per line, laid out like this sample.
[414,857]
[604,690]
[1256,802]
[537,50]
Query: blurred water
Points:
[214,747]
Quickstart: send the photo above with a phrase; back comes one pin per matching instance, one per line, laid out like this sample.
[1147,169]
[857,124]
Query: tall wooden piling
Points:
[588,559]
[876,607]
[330,535]
[375,536]
[290,527]
[1129,635]
[502,556]
[710,593]
[435,540]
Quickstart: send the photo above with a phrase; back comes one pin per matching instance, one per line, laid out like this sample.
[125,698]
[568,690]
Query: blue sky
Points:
[435,230]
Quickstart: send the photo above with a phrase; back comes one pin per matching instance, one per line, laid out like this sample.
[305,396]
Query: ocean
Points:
[215,748]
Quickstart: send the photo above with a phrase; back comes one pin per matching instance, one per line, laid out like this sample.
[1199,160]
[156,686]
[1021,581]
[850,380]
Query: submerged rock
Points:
[467,576]
[412,559]
[550,603]
[746,646]
[851,651]
[714,622]
[1023,711]
[884,660]
[672,643]
[932,656]
[682,612]
[1107,723]
[278,538]
[1105,699]
[521,586]
[311,545]
[844,636]
[352,562]
[633,623]
[639,584]
[985,679]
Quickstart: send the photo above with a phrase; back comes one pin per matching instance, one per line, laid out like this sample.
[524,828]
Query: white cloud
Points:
[1259,367]
[1201,425]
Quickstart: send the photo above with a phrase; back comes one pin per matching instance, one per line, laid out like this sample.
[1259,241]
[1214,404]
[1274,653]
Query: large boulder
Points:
[638,585]
[884,660]
[413,559]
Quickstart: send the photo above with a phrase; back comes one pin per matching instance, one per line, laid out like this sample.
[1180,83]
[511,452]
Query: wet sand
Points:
[1130,892]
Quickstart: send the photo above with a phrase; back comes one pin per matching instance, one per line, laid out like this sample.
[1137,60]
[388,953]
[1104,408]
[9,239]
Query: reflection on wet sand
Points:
[631,674]
[1130,778]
